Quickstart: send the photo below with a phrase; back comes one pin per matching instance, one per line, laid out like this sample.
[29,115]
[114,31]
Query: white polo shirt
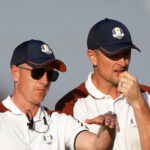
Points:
[97,103]
[60,132]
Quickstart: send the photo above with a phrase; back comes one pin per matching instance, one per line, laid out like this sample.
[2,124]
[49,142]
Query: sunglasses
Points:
[37,73]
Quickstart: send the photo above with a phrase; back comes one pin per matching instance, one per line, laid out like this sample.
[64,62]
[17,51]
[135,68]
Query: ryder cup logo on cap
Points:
[46,49]
[118,33]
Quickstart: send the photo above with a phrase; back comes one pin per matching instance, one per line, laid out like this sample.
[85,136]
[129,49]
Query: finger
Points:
[109,120]
[123,86]
[123,82]
[98,120]
[126,75]
[117,126]
[112,124]
[127,78]
[113,121]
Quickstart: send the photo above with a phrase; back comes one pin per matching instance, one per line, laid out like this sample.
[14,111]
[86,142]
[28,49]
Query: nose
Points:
[44,79]
[123,61]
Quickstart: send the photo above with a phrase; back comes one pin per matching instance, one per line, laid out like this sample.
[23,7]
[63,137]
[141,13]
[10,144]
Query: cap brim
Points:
[117,48]
[58,64]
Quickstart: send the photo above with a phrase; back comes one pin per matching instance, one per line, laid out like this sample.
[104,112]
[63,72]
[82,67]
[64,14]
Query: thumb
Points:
[89,121]
[99,121]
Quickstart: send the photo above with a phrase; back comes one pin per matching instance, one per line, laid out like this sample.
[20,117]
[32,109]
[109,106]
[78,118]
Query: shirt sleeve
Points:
[69,129]
[146,97]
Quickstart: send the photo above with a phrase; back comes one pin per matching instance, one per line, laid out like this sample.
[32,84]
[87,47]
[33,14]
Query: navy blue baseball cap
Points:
[110,37]
[36,54]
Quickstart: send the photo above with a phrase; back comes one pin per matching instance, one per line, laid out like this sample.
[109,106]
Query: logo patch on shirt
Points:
[46,49]
[118,33]
[133,122]
[48,139]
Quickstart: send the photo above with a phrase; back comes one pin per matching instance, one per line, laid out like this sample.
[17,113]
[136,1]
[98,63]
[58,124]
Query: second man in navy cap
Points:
[111,88]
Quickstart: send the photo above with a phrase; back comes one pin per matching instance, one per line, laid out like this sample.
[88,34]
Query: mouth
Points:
[41,90]
[119,71]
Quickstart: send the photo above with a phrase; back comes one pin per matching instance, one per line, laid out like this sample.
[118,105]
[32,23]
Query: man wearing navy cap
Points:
[26,125]
[110,87]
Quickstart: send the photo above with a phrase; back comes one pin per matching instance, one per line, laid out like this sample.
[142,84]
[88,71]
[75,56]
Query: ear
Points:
[15,73]
[92,56]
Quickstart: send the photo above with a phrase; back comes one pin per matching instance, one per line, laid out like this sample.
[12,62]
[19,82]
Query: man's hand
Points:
[129,86]
[108,120]
[107,132]
[104,139]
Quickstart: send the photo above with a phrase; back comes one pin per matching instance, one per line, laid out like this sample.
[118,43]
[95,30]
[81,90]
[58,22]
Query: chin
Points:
[115,82]
[39,99]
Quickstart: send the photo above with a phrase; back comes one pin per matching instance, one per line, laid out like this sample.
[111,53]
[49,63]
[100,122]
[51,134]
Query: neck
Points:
[24,105]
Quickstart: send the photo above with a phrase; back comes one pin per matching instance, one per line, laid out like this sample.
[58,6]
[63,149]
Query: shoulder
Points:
[49,112]
[145,88]
[79,91]
[3,108]
[52,112]
[71,97]
[59,116]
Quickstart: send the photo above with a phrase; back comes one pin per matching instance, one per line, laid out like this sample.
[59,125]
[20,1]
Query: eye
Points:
[115,57]
[127,55]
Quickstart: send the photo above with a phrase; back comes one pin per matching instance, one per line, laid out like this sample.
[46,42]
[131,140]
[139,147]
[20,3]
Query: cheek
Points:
[48,87]
[25,86]
[105,65]
[127,61]
[25,83]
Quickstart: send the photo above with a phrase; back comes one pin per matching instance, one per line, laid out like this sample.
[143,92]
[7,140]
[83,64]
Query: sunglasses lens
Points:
[52,75]
[37,73]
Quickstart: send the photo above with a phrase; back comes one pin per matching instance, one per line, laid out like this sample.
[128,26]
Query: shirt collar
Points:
[8,103]
[97,94]
[92,89]
[40,114]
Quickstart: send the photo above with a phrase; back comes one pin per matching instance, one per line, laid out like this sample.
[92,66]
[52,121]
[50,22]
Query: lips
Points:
[41,90]
[118,72]
[121,69]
